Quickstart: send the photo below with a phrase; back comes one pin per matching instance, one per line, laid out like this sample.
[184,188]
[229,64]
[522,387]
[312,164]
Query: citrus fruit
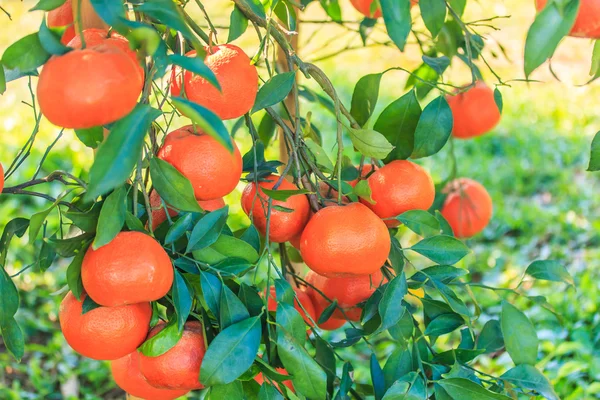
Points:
[132,268]
[304,300]
[179,367]
[467,208]
[587,23]
[364,7]
[398,187]
[213,171]
[158,210]
[348,291]
[474,111]
[104,333]
[259,378]
[236,76]
[87,88]
[284,224]
[62,16]
[127,375]
[345,240]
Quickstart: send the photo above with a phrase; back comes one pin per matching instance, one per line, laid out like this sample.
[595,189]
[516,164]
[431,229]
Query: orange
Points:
[398,187]
[62,16]
[260,379]
[94,37]
[468,207]
[348,291]
[587,23]
[304,300]
[213,171]
[132,268]
[127,375]
[345,240]
[284,225]
[364,7]
[474,112]
[87,88]
[236,75]
[179,367]
[104,333]
[332,323]
[158,211]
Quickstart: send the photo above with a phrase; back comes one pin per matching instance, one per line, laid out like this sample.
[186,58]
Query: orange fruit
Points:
[587,23]
[127,375]
[474,112]
[62,16]
[304,300]
[348,291]
[259,378]
[284,225]
[236,75]
[213,171]
[468,207]
[345,240]
[158,211]
[332,323]
[104,333]
[179,367]
[364,7]
[132,268]
[398,187]
[87,88]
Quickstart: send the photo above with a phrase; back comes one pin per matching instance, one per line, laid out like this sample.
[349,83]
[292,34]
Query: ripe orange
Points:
[62,16]
[304,300]
[236,75]
[474,112]
[213,171]
[178,368]
[364,7]
[104,333]
[132,268]
[587,23]
[332,323]
[398,187]
[88,88]
[345,240]
[127,375]
[158,211]
[284,225]
[260,379]
[348,291]
[468,207]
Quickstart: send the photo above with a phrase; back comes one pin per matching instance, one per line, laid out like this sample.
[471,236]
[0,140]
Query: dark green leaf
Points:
[182,299]
[390,307]
[420,222]
[74,274]
[441,273]
[594,164]
[168,13]
[133,223]
[274,90]
[163,341]
[179,228]
[208,229]
[441,249]
[364,98]
[46,256]
[332,8]
[443,324]
[233,390]
[396,15]
[256,7]
[549,270]
[464,389]
[47,5]
[9,298]
[520,337]
[490,337]
[397,365]
[231,309]
[110,11]
[25,54]
[91,137]
[438,64]
[377,378]
[69,247]
[238,23]
[434,128]
[174,188]
[13,338]
[268,392]
[50,40]
[529,378]
[283,195]
[112,217]
[88,305]
[252,237]
[498,100]
[227,247]
[196,66]
[433,13]
[211,290]
[398,123]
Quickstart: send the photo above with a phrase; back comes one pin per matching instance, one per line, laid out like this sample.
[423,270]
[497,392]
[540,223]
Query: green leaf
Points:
[69,247]
[231,309]
[396,15]
[441,249]
[46,256]
[595,68]
[451,298]
[364,98]
[182,299]
[546,31]
[238,23]
[2,79]
[377,377]
[133,223]
[441,273]
[529,378]
[268,392]
[390,307]
[291,322]
[47,5]
[88,305]
[520,337]
[169,14]
[211,291]
[179,228]
[196,66]
[443,324]
[25,54]
[233,390]
[231,352]
[363,190]
[433,129]
[163,341]
[370,143]
[397,365]
[91,137]
[37,221]
[256,7]
[283,195]
[445,226]
[549,270]
[50,40]
[13,338]
[498,100]
[433,13]
[594,164]
[208,229]
[321,158]
[110,11]
[491,338]
[274,90]
[332,8]
[438,64]
[120,151]
[227,247]
[207,120]
[464,389]
[9,297]
[252,237]
[420,222]
[112,217]
[172,186]
[74,274]
[398,123]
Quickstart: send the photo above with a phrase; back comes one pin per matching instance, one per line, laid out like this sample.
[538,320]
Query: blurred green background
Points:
[533,164]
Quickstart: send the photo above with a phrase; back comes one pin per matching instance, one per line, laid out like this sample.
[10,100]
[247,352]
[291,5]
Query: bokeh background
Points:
[533,164]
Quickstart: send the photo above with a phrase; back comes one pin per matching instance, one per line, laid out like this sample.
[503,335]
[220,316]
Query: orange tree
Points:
[162,287]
